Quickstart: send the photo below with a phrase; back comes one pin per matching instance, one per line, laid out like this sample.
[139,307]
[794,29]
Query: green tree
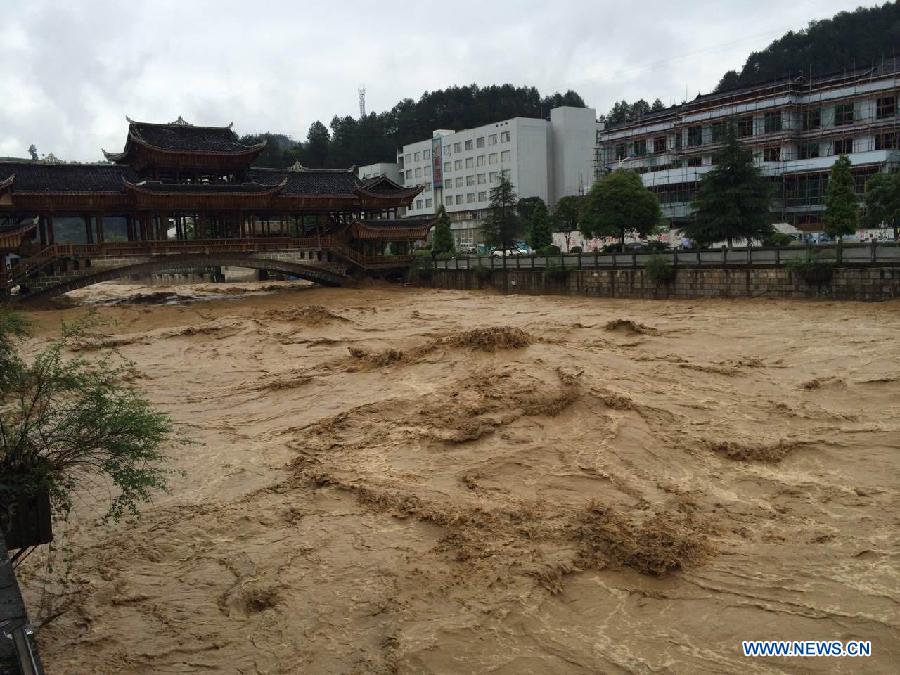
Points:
[317,142]
[538,226]
[841,204]
[566,215]
[502,222]
[883,200]
[443,237]
[619,203]
[65,422]
[733,200]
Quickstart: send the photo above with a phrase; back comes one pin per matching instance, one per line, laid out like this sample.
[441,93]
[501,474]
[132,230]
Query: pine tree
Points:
[499,227]
[443,237]
[733,201]
[883,200]
[841,204]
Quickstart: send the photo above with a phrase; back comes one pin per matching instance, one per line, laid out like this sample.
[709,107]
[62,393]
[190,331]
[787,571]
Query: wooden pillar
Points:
[100,234]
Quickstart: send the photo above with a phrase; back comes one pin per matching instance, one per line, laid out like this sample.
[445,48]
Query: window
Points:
[886,106]
[459,181]
[482,196]
[659,145]
[772,154]
[447,167]
[812,119]
[504,137]
[745,126]
[843,114]
[886,141]
[417,157]
[457,164]
[457,147]
[427,203]
[808,150]
[493,158]
[418,172]
[695,136]
[418,203]
[479,142]
[620,151]
[504,156]
[843,146]
[480,161]
[678,139]
[408,158]
[428,169]
[470,162]
[470,198]
[640,147]
[447,150]
[448,200]
[426,154]
[409,173]
[718,132]
[470,180]
[469,144]
[493,178]
[492,139]
[695,161]
[772,122]
[459,199]
[482,179]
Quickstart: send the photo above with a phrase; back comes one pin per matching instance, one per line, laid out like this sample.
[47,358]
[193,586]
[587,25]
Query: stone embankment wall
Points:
[872,283]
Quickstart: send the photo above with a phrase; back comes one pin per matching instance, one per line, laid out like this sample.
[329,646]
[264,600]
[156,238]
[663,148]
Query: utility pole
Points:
[362,101]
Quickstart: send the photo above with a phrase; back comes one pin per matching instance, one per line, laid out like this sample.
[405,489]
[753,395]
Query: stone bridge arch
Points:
[324,275]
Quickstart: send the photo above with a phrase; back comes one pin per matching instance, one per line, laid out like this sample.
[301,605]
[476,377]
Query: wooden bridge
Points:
[60,268]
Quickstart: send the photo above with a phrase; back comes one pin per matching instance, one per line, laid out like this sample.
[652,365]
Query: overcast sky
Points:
[71,71]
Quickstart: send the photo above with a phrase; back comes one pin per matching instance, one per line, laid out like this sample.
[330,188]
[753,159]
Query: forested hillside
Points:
[850,39]
[376,137]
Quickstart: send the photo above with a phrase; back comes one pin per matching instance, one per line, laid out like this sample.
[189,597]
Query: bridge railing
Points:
[853,254]
[181,246]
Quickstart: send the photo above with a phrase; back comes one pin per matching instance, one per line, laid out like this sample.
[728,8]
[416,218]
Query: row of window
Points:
[470,198]
[844,113]
[471,144]
[480,160]
[840,146]
[424,203]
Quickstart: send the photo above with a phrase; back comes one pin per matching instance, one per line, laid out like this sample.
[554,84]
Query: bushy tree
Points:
[64,422]
[883,200]
[567,214]
[619,203]
[733,200]
[443,236]
[538,226]
[501,224]
[841,204]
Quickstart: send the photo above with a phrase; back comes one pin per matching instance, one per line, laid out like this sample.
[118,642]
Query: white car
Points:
[510,252]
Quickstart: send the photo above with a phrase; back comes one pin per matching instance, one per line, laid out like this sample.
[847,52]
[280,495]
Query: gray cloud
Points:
[72,71]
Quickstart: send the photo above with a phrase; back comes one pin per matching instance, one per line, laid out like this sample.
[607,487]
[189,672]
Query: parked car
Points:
[510,252]
[467,250]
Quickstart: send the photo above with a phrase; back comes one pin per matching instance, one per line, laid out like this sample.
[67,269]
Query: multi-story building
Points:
[796,127]
[542,158]
[386,169]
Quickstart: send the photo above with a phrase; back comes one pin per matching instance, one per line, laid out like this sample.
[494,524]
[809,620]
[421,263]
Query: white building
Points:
[388,169]
[796,128]
[542,158]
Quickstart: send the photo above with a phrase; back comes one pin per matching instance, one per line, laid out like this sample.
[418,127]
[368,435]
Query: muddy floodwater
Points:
[392,480]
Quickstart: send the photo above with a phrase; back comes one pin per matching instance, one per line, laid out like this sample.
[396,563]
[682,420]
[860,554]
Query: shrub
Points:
[66,422]
[815,270]
[548,250]
[660,270]
[777,240]
[575,249]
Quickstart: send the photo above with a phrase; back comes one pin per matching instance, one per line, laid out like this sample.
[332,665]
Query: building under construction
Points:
[797,127]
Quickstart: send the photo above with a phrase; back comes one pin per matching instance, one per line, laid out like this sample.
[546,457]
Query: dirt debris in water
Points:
[504,494]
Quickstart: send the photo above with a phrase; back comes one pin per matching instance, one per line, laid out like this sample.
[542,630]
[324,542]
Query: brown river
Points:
[397,480]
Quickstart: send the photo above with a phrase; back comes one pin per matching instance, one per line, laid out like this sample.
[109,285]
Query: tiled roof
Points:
[188,138]
[309,181]
[39,177]
[203,188]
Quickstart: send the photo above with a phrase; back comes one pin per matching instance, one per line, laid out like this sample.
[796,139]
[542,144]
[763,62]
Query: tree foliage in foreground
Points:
[502,222]
[538,226]
[69,423]
[619,203]
[841,204]
[733,200]
[883,200]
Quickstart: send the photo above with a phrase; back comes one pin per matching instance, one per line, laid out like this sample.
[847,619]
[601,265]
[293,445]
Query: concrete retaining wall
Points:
[872,283]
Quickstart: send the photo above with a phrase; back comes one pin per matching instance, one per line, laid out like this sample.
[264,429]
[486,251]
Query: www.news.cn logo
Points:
[806,648]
